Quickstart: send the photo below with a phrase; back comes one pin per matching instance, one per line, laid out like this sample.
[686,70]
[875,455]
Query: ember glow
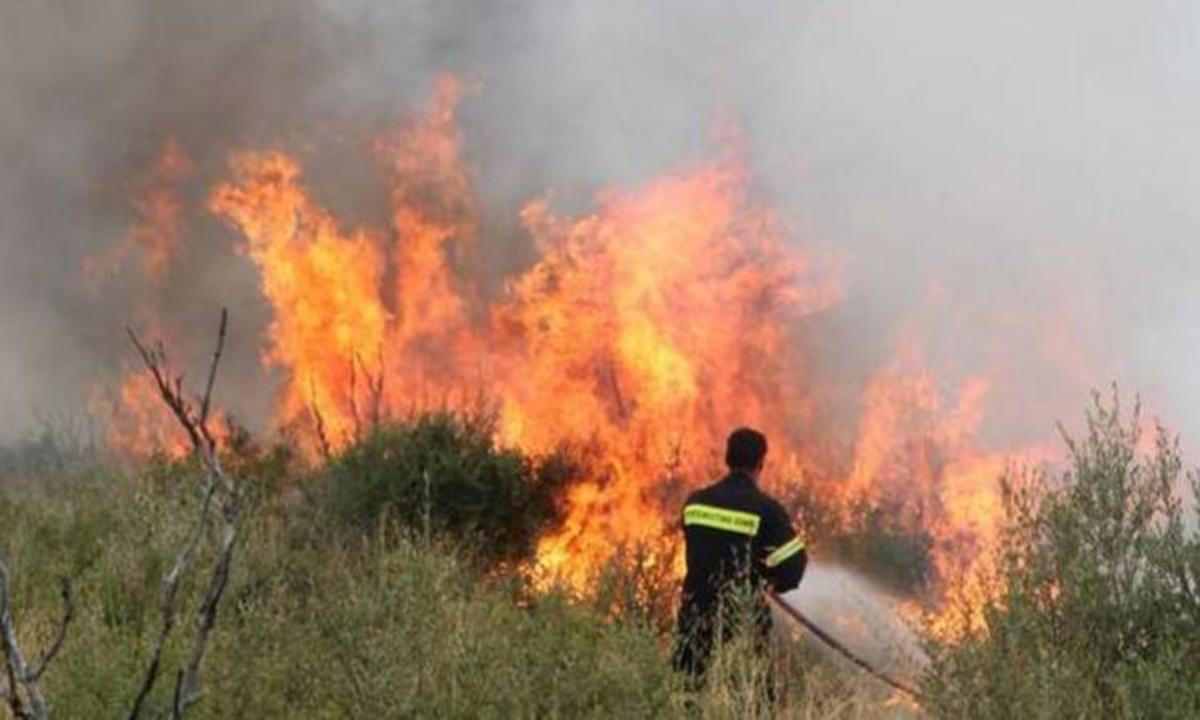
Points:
[645,330]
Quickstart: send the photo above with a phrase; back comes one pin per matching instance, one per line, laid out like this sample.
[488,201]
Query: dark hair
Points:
[745,449]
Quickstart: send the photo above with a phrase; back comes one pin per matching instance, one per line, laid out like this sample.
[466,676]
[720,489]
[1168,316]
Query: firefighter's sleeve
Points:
[784,556]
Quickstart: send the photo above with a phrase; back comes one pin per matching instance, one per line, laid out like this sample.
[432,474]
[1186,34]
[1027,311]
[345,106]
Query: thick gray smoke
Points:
[1012,181]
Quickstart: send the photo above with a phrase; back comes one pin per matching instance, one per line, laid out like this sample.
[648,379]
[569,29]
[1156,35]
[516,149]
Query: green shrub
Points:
[444,474]
[324,623]
[403,627]
[1098,611]
[384,625]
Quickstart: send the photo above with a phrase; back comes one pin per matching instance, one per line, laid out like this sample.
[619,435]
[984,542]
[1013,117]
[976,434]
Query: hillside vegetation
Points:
[1098,605]
[384,584]
[366,588]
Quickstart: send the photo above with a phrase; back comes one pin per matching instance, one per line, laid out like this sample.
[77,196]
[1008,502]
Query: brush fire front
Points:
[644,329]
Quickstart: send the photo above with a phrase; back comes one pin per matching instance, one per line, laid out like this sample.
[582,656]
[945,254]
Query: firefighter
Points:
[740,543]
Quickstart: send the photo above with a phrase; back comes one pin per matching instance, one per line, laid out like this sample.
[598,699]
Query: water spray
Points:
[794,613]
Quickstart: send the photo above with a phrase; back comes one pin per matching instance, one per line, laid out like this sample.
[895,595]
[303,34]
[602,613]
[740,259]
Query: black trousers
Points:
[703,626]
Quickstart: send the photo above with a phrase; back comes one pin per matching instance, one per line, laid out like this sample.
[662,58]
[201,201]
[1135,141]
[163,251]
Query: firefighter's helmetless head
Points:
[745,451]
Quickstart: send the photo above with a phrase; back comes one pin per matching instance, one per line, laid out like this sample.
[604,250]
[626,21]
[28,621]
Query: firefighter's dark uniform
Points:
[739,539]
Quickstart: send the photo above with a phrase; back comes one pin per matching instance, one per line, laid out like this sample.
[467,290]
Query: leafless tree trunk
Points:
[218,488]
[19,676]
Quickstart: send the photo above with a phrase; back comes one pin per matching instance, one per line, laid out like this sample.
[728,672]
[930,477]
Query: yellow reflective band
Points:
[743,523]
[784,552]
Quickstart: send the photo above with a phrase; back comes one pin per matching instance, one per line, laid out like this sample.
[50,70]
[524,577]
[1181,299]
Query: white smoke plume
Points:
[1016,180]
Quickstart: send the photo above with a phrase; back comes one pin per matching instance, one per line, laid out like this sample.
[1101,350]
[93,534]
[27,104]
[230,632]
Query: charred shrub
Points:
[882,538]
[876,539]
[263,468]
[1097,612]
[444,474]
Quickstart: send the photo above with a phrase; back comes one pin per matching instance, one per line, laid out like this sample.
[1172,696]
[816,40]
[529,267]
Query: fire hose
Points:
[841,649]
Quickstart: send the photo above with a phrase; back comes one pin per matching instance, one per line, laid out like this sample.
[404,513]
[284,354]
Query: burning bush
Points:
[444,473]
[1098,608]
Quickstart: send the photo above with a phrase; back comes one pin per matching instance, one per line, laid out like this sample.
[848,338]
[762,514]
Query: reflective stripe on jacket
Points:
[734,531]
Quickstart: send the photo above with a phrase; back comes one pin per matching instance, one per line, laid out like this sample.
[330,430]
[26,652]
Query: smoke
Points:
[857,613]
[1011,183]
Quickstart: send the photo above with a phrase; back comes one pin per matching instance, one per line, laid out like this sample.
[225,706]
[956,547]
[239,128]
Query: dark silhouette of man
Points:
[740,543]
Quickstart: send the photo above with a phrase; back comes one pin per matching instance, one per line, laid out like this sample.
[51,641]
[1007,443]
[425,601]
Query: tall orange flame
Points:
[651,327]
[323,285]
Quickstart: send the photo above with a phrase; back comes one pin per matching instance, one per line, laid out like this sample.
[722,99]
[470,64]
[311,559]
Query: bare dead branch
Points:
[319,422]
[168,606]
[171,392]
[207,617]
[16,670]
[353,399]
[376,387]
[10,694]
[148,680]
[374,394]
[212,369]
[611,375]
[177,698]
[187,686]
[68,602]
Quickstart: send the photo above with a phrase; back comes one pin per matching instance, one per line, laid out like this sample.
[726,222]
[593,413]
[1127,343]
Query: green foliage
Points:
[322,623]
[1099,607]
[383,626]
[444,474]
[366,601]
[398,627]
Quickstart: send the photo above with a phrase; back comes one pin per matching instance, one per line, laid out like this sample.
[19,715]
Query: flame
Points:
[651,327]
[433,223]
[919,446]
[158,231]
[644,331]
[137,423]
[321,282]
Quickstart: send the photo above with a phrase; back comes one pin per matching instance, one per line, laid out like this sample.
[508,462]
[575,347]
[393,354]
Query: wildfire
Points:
[157,233]
[652,327]
[137,420]
[919,450]
[645,331]
[323,285]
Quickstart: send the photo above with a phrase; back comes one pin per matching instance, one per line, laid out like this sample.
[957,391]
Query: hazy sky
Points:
[1015,179]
